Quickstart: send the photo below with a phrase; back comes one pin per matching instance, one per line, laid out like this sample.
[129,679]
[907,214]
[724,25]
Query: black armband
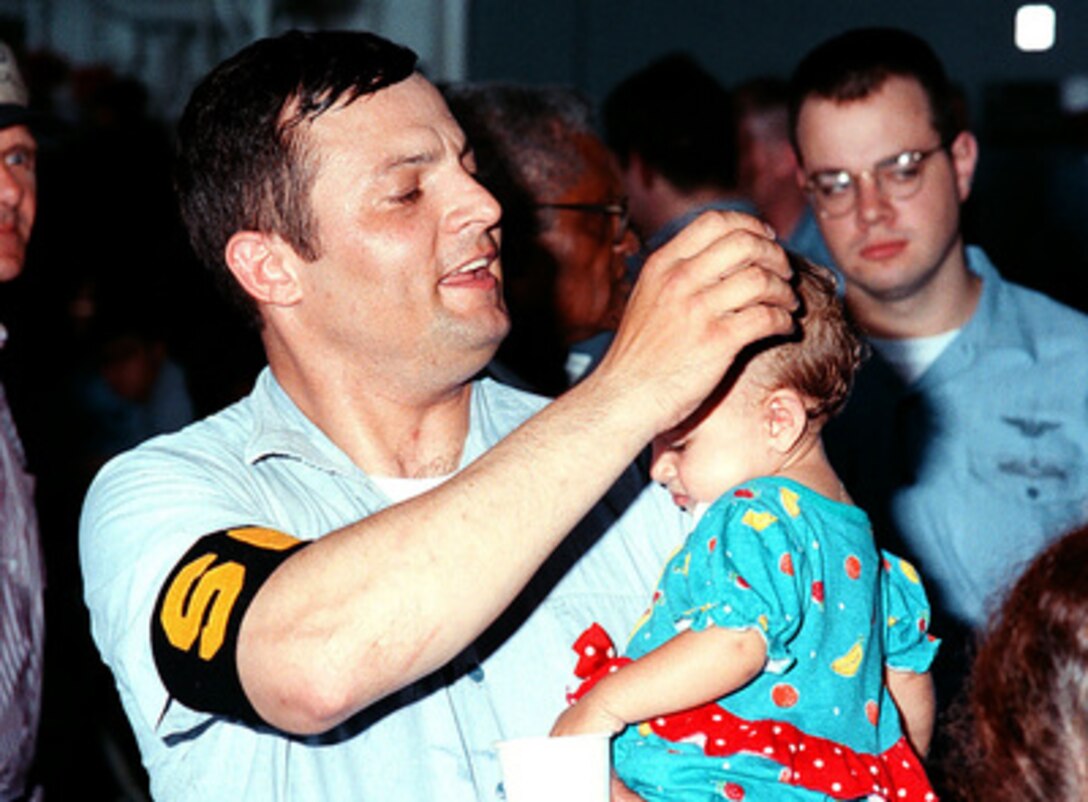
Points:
[194,628]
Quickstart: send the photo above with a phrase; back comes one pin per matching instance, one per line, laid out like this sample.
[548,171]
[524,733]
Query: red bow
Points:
[596,658]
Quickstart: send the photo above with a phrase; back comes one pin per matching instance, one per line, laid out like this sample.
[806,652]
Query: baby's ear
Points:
[786,418]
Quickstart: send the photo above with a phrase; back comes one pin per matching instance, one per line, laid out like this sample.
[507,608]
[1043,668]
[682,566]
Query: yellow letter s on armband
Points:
[184,608]
[194,631]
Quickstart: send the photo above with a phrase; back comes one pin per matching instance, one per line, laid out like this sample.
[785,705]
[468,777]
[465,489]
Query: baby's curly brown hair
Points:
[821,356]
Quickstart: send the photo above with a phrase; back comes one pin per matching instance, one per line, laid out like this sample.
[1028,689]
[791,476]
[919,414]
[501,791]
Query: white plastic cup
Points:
[571,768]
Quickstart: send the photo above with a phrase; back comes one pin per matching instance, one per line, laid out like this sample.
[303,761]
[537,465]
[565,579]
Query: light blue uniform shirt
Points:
[980,462]
[262,462]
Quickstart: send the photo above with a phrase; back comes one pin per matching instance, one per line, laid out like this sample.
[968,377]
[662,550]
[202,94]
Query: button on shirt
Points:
[263,462]
[972,468]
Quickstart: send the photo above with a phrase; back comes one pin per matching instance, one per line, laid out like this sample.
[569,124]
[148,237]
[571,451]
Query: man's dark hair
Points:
[679,119]
[855,64]
[242,161]
[764,99]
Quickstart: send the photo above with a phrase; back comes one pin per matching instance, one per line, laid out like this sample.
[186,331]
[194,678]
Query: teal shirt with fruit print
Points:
[802,570]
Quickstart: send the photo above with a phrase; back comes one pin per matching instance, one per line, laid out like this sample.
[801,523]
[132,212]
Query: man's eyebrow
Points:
[421,157]
[29,143]
[408,160]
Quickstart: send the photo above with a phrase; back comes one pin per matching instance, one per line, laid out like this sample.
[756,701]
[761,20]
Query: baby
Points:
[782,656]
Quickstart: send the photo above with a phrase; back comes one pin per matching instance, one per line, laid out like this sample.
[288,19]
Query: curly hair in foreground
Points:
[1024,730]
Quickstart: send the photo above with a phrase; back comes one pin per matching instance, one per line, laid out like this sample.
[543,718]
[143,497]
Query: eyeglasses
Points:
[617,210]
[834,193]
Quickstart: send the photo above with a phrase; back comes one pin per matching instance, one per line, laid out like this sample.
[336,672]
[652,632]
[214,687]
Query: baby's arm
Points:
[691,669]
[914,696]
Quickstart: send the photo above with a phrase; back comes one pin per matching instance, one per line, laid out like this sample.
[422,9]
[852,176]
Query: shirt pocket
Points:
[1041,470]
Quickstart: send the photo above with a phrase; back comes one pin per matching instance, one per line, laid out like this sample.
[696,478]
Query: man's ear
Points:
[964,150]
[265,266]
[786,419]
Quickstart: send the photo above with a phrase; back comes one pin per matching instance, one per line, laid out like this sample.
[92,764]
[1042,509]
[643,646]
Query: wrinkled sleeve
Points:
[908,644]
[740,576]
[142,513]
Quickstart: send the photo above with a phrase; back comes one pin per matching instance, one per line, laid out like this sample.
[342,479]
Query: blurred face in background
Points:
[766,165]
[589,246]
[18,197]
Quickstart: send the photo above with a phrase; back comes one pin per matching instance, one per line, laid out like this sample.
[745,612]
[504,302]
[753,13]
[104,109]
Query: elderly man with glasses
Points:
[966,436]
[566,230]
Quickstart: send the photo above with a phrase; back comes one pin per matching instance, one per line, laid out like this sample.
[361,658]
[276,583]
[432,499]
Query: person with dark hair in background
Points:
[1024,735]
[767,167]
[22,575]
[966,435]
[334,588]
[565,228]
[671,126]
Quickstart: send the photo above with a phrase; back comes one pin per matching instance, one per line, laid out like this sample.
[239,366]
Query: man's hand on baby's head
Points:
[720,284]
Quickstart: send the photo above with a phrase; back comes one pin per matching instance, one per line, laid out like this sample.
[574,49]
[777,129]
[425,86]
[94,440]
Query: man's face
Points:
[888,249]
[407,279]
[588,249]
[18,197]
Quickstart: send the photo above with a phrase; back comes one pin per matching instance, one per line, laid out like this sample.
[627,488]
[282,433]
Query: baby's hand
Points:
[584,717]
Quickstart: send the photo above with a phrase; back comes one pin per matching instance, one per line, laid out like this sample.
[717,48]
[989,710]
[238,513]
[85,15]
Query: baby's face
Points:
[715,450]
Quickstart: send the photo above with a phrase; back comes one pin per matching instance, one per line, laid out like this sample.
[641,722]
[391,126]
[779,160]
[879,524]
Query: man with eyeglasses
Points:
[566,233]
[965,437]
